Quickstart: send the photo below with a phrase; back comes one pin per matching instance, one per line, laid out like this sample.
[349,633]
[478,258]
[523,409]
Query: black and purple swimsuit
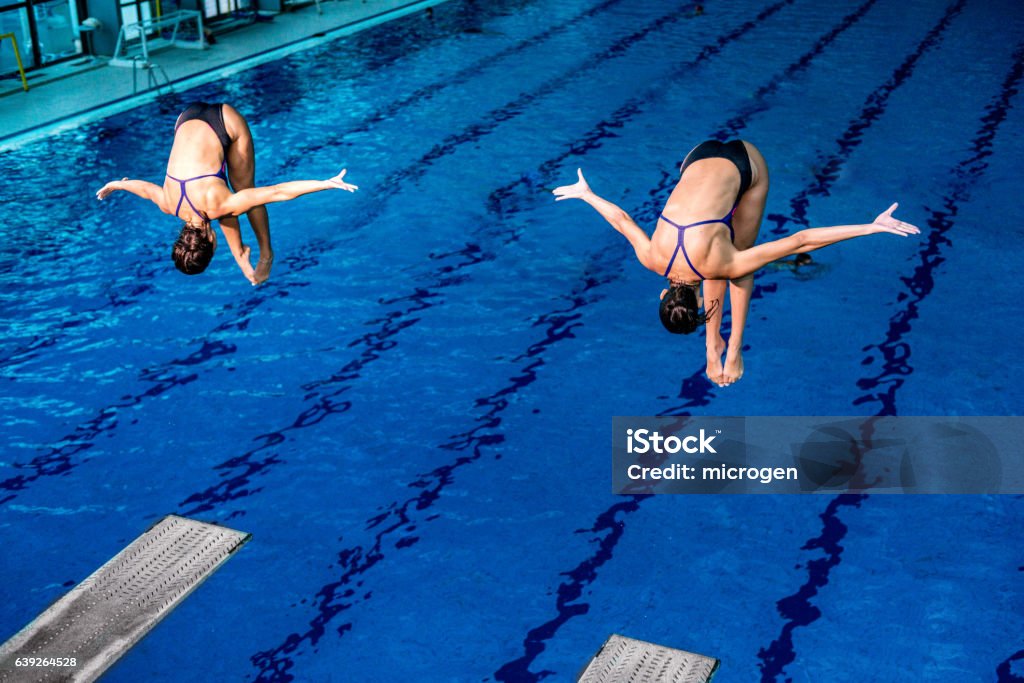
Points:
[735,152]
[212,115]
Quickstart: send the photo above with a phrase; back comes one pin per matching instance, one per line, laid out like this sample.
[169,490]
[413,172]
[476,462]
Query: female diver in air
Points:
[212,147]
[712,219]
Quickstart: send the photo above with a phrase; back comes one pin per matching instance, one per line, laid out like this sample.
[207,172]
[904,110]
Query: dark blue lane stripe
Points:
[696,390]
[460,77]
[607,531]
[71,450]
[893,351]
[337,597]
[1004,671]
[365,124]
[872,110]
[502,201]
[236,473]
[115,298]
[395,525]
[759,103]
[512,110]
[235,478]
[797,609]
[62,457]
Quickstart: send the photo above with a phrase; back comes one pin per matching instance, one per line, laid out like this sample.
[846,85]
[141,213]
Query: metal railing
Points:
[140,31]
[152,78]
[17,57]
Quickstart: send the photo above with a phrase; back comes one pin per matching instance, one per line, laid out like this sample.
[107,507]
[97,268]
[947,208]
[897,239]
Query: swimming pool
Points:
[412,416]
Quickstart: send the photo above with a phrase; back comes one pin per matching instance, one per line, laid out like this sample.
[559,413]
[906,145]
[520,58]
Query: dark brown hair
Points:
[679,311]
[193,249]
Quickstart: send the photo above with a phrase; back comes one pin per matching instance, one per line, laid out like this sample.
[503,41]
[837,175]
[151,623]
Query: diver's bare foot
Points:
[263,265]
[715,350]
[733,368]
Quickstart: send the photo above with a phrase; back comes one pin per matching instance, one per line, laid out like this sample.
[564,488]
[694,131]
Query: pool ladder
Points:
[153,76]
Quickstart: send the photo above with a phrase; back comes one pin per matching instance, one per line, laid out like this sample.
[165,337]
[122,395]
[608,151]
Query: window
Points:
[134,11]
[46,30]
[215,9]
[56,24]
[15,21]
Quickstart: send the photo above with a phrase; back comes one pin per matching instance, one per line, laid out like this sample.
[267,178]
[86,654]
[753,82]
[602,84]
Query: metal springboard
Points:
[109,612]
[622,660]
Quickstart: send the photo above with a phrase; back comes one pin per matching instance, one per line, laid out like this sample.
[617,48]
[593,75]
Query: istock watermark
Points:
[645,440]
[662,454]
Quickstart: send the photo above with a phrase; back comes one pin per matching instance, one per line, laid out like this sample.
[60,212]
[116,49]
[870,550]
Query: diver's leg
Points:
[241,160]
[747,223]
[739,303]
[714,290]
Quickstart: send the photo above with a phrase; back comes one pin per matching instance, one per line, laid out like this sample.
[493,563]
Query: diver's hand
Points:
[109,188]
[338,182]
[576,191]
[263,265]
[886,223]
[242,259]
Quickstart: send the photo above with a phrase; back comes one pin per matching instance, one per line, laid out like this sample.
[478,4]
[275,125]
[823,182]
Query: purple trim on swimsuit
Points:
[222,174]
[681,245]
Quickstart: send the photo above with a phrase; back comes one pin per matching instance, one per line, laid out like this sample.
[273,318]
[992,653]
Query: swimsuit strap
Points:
[673,260]
[675,252]
[222,174]
[686,256]
[681,245]
[728,221]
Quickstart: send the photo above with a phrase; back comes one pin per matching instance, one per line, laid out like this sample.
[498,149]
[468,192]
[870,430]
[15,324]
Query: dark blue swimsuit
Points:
[735,152]
[213,116]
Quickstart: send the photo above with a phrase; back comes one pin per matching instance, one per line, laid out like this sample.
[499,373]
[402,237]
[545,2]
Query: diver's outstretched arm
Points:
[139,188]
[750,260]
[619,219]
[245,200]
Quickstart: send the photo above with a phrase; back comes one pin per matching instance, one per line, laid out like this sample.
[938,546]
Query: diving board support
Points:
[625,660]
[109,612]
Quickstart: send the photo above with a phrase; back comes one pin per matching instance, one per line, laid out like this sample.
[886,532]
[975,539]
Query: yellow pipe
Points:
[17,56]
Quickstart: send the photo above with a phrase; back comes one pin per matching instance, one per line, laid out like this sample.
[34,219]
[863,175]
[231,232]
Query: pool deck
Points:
[66,95]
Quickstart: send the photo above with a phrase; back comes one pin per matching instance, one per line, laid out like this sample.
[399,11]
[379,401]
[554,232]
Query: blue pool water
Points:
[412,417]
